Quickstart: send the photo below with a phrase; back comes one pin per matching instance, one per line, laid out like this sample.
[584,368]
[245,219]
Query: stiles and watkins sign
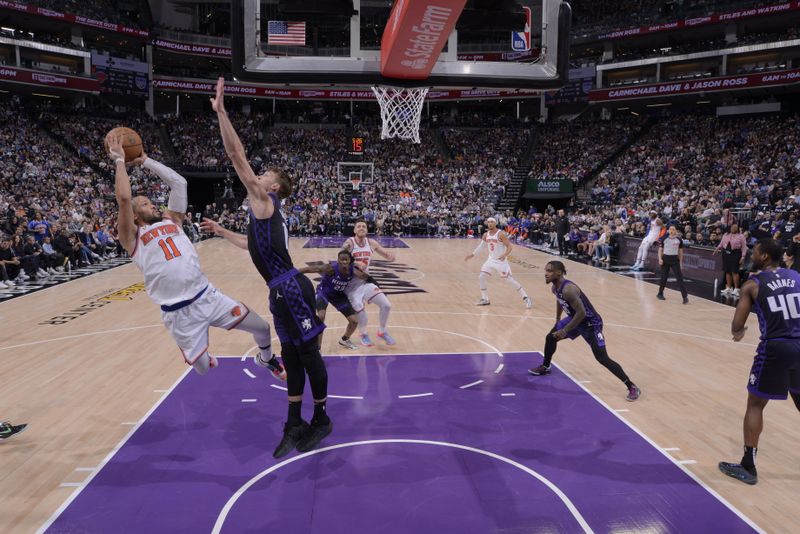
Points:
[724,83]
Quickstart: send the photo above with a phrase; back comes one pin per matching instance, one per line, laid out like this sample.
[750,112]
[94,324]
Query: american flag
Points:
[280,32]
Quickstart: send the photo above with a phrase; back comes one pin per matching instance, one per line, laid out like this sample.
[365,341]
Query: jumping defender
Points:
[581,320]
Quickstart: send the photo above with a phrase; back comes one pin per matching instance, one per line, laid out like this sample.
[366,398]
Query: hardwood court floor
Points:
[83,361]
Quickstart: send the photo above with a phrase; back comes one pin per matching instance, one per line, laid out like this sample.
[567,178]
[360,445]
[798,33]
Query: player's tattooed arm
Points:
[743,308]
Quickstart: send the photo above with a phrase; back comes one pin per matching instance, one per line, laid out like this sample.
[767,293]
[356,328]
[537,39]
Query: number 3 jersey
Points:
[778,304]
[167,258]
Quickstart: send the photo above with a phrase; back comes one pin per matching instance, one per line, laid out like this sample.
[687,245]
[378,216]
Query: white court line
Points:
[110,455]
[499,368]
[508,394]
[550,485]
[249,400]
[249,373]
[465,386]
[349,397]
[276,386]
[644,436]
[668,449]
[100,332]
[684,462]
[622,410]
[415,396]
[159,391]
[90,469]
[70,484]
[129,424]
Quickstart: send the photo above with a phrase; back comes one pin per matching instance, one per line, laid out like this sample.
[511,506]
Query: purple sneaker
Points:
[633,393]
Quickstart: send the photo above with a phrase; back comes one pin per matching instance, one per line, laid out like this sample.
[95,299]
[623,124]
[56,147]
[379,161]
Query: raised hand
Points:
[138,161]
[218,102]
[114,145]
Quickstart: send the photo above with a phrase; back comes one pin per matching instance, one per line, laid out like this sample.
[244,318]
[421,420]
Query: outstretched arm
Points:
[213,227]
[325,268]
[178,196]
[380,250]
[235,150]
[126,228]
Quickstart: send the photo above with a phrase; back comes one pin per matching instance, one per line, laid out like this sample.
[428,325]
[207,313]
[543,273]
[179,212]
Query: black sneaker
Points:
[541,370]
[7,430]
[738,472]
[686,300]
[316,433]
[291,437]
[660,297]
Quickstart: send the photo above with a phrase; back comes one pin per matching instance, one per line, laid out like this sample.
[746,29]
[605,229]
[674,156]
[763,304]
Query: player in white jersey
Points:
[172,275]
[653,233]
[499,248]
[361,292]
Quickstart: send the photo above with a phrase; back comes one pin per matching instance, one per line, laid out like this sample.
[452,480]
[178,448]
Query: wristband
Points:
[119,160]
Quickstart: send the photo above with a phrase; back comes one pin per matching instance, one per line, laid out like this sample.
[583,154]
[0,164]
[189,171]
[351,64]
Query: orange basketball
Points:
[131,142]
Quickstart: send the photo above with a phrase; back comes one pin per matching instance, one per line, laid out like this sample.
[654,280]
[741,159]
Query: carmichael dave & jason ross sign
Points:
[725,83]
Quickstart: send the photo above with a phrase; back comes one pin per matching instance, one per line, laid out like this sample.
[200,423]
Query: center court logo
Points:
[95,302]
[388,275]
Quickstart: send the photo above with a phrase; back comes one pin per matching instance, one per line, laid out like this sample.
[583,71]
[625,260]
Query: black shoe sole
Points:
[289,443]
[314,435]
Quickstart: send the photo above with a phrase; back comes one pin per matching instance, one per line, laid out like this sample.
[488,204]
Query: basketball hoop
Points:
[356,181]
[401,111]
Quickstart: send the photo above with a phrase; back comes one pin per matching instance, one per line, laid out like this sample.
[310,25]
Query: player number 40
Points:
[169,248]
[788,305]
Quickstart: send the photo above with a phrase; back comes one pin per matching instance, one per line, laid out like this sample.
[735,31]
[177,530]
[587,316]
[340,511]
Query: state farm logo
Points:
[48,78]
[426,38]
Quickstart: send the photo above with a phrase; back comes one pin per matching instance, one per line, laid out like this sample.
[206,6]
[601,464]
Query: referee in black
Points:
[670,256]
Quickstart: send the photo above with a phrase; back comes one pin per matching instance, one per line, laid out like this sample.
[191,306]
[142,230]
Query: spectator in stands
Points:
[9,264]
[733,246]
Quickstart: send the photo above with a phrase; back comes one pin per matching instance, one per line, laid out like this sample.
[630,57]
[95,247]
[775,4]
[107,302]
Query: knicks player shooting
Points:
[366,291]
[291,294]
[775,294]
[336,276]
[581,320]
[171,269]
[499,249]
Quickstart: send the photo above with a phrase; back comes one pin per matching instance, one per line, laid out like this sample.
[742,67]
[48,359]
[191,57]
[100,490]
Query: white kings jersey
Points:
[169,262]
[362,255]
[496,247]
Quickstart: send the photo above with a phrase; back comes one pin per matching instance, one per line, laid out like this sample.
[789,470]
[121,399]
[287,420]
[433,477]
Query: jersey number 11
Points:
[169,248]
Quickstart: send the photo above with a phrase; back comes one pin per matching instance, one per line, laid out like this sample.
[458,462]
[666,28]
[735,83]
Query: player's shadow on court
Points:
[592,464]
[154,431]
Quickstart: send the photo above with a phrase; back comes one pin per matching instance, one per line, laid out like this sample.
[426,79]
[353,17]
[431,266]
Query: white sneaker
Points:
[50,270]
[42,273]
[9,283]
[22,276]
[3,286]
[482,302]
[528,302]
[736,293]
[726,292]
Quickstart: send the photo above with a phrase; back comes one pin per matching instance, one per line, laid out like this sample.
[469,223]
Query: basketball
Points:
[131,142]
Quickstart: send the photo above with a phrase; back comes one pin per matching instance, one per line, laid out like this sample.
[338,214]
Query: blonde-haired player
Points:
[172,275]
[499,248]
[360,291]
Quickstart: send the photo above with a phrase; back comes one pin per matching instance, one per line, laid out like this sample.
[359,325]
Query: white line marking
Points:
[671,449]
[465,386]
[350,397]
[39,342]
[584,381]
[560,494]
[415,396]
[71,484]
[622,410]
[276,386]
[249,373]
[644,436]
[508,394]
[249,400]
[110,455]
[499,368]
[85,469]
[129,424]
[159,391]
[683,462]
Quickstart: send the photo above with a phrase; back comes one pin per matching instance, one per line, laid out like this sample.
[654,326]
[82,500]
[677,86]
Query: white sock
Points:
[482,278]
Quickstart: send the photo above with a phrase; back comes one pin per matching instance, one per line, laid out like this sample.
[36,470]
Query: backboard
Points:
[494,44]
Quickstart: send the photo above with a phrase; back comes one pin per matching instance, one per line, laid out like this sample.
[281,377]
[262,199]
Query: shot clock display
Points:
[356,146]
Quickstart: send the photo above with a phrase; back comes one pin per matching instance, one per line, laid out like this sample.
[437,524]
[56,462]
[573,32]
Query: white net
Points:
[401,111]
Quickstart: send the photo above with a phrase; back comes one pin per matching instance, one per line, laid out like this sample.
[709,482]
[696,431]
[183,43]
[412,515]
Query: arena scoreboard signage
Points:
[537,186]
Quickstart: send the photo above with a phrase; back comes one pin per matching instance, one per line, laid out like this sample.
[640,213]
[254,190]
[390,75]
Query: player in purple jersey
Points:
[581,320]
[774,294]
[331,289]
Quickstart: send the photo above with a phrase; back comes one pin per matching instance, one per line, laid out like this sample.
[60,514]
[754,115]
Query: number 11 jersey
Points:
[169,263]
[778,304]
